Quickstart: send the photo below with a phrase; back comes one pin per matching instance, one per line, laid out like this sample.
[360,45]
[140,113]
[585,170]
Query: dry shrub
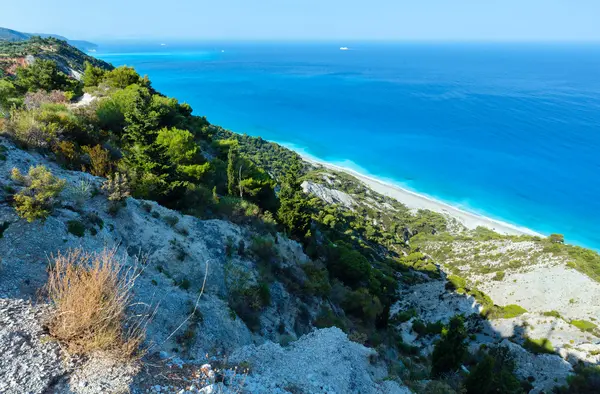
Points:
[116,187]
[66,152]
[91,293]
[99,160]
[34,100]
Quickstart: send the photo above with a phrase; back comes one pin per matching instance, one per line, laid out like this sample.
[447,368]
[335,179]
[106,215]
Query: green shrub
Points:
[419,327]
[349,265]
[538,346]
[37,198]
[586,380]
[407,349]
[121,77]
[185,284]
[505,312]
[553,314]
[76,228]
[249,302]
[584,325]
[493,373]
[404,316]
[434,328]
[451,349]
[263,248]
[455,282]
[317,282]
[362,304]
[499,276]
[171,220]
[327,318]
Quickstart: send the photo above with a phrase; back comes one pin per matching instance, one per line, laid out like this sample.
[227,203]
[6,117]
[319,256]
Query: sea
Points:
[510,131]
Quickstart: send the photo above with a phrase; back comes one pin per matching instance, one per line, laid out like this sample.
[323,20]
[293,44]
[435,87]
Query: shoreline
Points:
[414,200]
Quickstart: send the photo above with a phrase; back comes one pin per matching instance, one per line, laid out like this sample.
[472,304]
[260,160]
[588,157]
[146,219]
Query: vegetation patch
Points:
[249,302]
[327,318]
[76,227]
[455,283]
[505,312]
[39,194]
[555,314]
[539,346]
[584,325]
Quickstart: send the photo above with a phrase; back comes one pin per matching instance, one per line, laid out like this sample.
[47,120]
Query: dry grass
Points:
[91,293]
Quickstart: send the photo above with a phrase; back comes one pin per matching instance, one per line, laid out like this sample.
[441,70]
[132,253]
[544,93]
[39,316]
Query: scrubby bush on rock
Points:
[37,198]
[91,293]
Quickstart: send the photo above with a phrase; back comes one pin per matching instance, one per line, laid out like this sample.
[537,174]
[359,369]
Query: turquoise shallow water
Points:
[510,131]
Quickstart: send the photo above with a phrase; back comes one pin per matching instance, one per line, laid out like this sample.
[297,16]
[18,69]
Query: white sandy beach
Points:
[418,201]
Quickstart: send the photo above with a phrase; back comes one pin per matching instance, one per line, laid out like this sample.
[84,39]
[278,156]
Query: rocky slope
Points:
[172,252]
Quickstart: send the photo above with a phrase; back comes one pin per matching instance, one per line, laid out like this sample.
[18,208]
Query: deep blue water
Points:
[511,131]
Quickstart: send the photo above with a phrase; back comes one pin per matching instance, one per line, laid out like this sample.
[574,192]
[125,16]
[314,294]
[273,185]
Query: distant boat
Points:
[222,50]
[343,48]
[163,45]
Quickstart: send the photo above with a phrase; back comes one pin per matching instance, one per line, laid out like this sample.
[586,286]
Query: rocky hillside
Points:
[173,253]
[71,60]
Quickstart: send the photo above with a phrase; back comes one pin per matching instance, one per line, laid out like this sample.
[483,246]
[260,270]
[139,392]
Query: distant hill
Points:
[15,36]
[12,35]
[19,52]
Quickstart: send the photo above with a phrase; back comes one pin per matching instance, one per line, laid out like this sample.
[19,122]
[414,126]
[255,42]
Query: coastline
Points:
[414,200]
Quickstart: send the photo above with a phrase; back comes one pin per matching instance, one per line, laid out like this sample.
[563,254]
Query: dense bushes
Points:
[585,381]
[493,373]
[538,346]
[43,75]
[584,325]
[348,265]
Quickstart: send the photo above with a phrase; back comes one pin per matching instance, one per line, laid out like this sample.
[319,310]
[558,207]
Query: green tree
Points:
[451,349]
[585,381]
[122,77]
[494,373]
[232,177]
[480,378]
[348,264]
[8,95]
[92,76]
[42,75]
[178,145]
[294,211]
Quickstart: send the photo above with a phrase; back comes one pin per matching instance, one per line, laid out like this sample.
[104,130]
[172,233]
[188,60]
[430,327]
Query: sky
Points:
[454,20]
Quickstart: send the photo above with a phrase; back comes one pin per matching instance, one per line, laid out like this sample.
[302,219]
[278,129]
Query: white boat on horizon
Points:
[343,48]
